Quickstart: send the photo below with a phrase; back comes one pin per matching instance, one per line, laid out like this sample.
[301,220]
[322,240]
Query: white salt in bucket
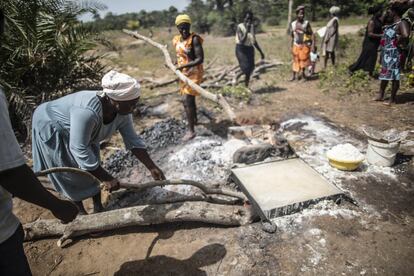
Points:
[382,154]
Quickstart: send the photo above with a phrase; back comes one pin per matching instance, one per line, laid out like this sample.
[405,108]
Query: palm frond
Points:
[43,53]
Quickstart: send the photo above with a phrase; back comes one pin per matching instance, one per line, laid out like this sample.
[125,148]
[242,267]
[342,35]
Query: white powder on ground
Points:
[293,222]
[313,137]
[377,170]
[204,159]
[345,152]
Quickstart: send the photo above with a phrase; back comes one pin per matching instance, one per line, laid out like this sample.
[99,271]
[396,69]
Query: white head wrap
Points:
[334,10]
[120,87]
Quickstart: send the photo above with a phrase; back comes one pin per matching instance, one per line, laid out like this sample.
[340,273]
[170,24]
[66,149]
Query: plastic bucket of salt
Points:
[382,154]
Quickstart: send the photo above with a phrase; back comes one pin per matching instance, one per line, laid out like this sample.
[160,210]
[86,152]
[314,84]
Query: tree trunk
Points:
[139,216]
[220,5]
[289,16]
[313,4]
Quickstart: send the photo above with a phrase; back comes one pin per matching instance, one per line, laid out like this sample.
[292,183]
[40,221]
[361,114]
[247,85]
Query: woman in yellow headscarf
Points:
[190,57]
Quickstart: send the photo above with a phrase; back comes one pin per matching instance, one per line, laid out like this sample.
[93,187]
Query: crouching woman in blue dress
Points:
[67,132]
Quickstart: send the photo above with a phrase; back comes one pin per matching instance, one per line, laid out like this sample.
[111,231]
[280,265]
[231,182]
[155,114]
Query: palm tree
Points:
[43,53]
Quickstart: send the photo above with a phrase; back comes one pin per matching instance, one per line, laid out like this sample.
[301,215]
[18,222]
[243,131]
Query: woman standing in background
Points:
[368,57]
[245,44]
[330,40]
[394,39]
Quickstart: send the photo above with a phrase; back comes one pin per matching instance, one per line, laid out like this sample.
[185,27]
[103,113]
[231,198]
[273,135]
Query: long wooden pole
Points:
[290,7]
[140,216]
[140,186]
[217,98]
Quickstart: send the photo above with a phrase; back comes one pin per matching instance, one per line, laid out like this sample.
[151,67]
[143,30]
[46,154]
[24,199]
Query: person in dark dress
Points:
[245,44]
[368,57]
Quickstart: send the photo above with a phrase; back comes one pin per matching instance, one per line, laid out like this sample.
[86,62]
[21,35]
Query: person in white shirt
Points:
[17,179]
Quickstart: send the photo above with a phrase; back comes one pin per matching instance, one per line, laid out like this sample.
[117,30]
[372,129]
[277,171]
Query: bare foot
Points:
[378,99]
[188,136]
[387,103]
[292,79]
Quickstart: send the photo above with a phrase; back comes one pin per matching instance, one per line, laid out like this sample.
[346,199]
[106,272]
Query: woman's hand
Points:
[65,211]
[111,185]
[157,174]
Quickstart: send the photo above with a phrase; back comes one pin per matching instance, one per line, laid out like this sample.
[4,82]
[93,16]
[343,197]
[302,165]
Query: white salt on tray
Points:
[346,153]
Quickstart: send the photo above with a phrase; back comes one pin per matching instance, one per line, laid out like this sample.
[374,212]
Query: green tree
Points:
[320,8]
[42,54]
[198,11]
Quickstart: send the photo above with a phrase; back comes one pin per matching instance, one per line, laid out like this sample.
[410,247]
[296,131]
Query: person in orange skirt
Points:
[302,43]
[190,57]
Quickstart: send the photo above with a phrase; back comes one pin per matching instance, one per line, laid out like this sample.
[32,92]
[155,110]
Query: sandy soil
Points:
[375,237]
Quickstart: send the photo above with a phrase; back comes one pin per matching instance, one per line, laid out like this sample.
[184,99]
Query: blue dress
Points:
[67,132]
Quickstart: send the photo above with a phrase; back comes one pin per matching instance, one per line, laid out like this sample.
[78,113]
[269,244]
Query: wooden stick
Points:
[213,97]
[190,198]
[210,63]
[139,216]
[147,185]
[158,83]
[202,187]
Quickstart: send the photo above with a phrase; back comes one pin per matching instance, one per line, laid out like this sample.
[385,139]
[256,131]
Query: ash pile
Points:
[208,159]
[157,137]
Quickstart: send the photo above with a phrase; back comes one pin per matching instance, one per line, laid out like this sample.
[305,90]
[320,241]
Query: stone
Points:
[269,227]
[253,153]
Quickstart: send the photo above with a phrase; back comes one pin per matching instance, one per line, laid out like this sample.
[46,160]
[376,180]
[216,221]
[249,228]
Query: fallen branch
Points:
[203,188]
[158,83]
[219,77]
[67,169]
[151,184]
[183,198]
[140,216]
[215,98]
[174,91]
[210,63]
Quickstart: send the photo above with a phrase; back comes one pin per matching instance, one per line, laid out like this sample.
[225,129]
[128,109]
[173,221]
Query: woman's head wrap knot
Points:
[334,10]
[120,87]
[182,18]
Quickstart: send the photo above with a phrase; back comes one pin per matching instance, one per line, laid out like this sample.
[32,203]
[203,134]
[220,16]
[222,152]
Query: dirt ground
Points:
[375,237]
[327,244]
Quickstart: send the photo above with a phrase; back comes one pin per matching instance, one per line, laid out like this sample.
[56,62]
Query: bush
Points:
[238,92]
[343,43]
[344,83]
[273,21]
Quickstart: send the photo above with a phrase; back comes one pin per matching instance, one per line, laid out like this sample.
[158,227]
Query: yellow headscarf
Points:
[182,18]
